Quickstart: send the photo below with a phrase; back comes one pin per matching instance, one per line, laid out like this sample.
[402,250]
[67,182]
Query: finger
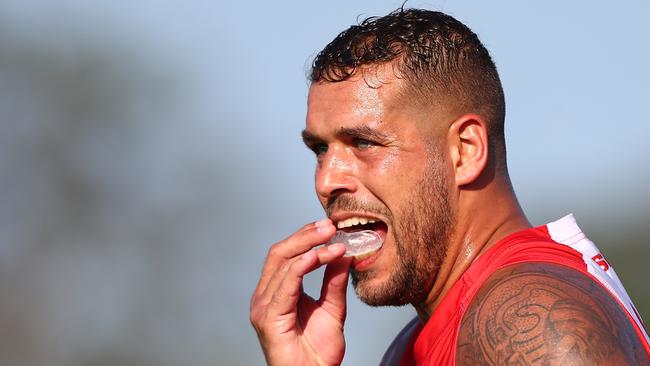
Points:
[335,283]
[323,255]
[285,296]
[276,280]
[306,238]
[292,247]
[300,242]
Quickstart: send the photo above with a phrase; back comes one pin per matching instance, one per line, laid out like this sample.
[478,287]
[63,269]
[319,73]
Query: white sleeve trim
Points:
[566,231]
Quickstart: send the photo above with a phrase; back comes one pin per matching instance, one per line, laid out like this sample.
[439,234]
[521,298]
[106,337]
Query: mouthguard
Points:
[357,242]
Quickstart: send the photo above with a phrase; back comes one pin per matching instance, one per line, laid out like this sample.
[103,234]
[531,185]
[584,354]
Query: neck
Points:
[484,217]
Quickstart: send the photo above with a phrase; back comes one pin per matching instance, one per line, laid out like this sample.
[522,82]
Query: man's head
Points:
[401,112]
[443,64]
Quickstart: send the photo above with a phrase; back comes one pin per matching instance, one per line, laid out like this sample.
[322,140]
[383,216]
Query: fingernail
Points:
[335,247]
[322,229]
[322,222]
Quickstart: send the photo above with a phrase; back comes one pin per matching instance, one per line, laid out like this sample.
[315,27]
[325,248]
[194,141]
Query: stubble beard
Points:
[421,237]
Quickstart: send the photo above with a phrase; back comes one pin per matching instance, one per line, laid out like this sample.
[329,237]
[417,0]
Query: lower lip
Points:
[360,265]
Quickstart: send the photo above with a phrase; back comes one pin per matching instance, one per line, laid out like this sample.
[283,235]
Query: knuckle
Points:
[254,306]
[253,317]
[255,299]
[294,268]
[256,316]
[274,250]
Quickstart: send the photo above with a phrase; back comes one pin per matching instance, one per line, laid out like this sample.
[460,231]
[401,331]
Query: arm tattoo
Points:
[546,314]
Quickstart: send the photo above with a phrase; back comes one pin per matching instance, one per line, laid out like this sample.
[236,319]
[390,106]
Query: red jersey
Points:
[560,242]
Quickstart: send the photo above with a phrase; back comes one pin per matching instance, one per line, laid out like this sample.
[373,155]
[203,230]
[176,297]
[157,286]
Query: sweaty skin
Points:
[373,157]
[384,173]
[427,176]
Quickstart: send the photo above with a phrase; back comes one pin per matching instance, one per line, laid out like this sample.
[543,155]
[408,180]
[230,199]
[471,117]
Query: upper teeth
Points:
[354,221]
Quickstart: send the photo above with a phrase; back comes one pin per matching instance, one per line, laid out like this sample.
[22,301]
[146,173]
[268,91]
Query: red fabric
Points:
[435,343]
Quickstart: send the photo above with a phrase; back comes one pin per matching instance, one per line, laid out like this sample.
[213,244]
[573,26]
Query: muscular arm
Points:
[546,314]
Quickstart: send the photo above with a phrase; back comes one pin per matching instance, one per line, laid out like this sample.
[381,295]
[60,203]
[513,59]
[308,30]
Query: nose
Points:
[335,173]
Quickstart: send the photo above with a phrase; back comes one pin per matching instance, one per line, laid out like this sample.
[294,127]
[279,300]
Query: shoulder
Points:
[543,313]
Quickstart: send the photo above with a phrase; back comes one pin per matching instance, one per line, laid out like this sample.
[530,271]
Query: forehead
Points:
[358,100]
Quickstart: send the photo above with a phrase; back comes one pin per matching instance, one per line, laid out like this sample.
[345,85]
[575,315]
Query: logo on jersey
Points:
[600,260]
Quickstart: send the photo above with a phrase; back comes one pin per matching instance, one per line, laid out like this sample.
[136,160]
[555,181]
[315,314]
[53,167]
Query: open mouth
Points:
[362,236]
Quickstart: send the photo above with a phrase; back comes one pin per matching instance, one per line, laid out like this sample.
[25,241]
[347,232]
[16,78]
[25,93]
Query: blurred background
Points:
[150,154]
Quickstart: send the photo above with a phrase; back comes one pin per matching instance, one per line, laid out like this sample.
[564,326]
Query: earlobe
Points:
[469,148]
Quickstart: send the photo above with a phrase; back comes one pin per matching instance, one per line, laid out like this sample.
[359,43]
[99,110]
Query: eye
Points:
[364,144]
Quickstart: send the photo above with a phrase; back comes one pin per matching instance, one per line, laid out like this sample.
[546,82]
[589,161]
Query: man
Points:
[405,117]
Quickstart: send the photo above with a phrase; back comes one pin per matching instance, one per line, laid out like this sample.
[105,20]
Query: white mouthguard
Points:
[357,242]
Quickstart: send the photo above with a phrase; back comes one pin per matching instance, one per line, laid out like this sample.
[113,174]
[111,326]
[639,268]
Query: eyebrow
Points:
[310,139]
[363,132]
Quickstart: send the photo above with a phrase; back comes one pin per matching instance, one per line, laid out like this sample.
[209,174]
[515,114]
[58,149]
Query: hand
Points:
[293,328]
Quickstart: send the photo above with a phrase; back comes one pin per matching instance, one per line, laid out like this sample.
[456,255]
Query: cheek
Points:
[388,163]
[394,180]
[381,178]
[397,171]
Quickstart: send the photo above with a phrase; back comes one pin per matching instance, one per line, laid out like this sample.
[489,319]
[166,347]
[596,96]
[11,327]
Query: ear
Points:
[468,145]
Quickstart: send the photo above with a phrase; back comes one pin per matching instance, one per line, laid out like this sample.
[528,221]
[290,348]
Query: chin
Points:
[376,292]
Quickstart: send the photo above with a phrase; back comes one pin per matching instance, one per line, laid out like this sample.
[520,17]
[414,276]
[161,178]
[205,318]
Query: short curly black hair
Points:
[440,58]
